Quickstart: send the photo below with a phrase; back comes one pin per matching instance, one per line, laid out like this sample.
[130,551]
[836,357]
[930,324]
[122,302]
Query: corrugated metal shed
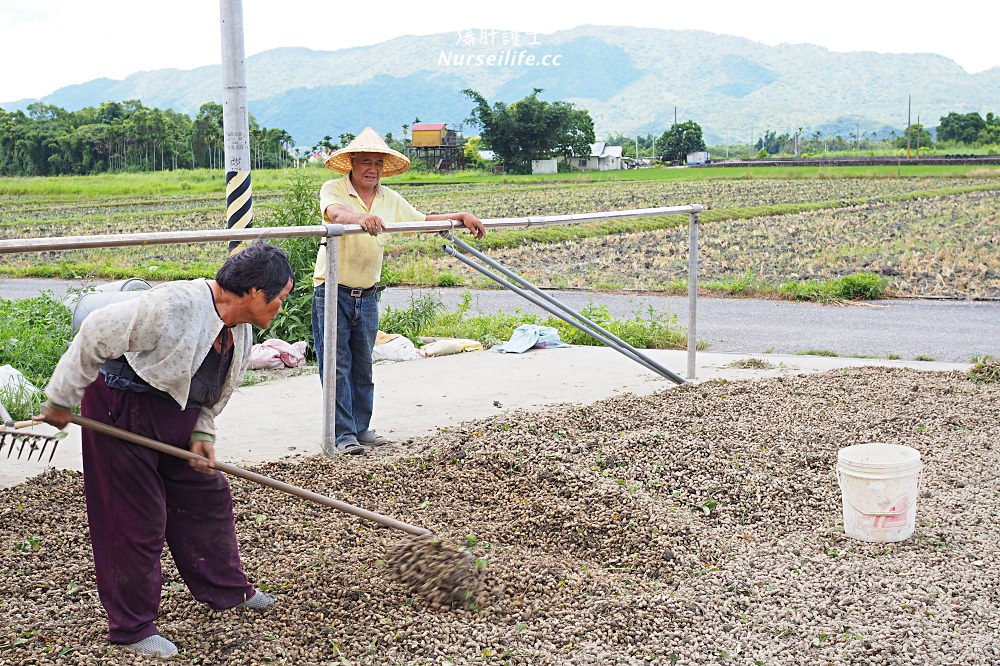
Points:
[428,135]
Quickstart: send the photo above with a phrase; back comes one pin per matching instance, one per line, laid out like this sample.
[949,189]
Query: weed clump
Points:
[751,364]
[297,208]
[986,369]
[411,322]
[854,287]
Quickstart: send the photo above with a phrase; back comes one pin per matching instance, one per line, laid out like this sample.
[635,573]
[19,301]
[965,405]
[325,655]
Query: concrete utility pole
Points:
[235,120]
[908,127]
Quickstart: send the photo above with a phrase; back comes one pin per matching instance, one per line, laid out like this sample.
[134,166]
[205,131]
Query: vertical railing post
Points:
[692,296]
[329,333]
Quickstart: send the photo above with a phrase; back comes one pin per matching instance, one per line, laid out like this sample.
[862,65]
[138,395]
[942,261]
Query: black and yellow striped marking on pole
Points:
[239,203]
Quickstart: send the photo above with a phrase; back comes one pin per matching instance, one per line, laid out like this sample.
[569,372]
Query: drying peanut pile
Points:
[699,525]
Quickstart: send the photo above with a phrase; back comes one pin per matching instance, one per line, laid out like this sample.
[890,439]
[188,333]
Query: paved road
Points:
[949,331]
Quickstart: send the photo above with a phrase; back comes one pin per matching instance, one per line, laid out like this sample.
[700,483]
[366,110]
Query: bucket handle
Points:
[920,474]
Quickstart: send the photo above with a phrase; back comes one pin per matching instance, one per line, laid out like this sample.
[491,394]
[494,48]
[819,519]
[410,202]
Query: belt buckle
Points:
[357,293]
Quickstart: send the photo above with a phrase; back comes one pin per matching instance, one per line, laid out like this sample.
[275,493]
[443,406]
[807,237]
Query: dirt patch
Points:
[698,525]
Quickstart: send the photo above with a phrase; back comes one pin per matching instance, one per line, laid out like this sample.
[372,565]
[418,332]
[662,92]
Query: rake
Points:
[443,574]
[13,437]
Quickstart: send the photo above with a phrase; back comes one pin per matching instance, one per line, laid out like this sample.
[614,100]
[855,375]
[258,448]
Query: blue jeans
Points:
[357,326]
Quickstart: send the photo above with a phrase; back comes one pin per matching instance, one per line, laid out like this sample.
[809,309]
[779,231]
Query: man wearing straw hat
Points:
[361,199]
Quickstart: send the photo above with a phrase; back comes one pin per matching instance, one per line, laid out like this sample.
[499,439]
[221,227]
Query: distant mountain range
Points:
[632,80]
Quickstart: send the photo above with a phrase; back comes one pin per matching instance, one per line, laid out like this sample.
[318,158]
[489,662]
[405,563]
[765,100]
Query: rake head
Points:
[30,443]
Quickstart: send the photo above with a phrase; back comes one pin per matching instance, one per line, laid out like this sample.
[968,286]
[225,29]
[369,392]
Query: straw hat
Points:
[368,142]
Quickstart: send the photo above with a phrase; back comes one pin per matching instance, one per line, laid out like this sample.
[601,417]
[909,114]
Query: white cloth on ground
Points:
[450,346]
[397,348]
[531,336]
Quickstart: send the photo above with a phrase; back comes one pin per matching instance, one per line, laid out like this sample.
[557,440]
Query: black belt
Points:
[119,375]
[358,293]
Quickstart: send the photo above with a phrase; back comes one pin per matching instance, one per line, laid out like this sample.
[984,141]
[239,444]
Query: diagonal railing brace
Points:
[549,304]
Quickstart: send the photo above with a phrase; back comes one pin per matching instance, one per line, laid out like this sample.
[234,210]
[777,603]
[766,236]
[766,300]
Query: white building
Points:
[544,166]
[602,158]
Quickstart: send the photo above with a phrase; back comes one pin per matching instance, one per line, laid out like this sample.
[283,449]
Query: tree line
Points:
[968,129]
[128,136]
[124,136]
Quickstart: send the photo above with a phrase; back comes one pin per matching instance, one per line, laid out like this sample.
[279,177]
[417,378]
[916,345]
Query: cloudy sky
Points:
[47,44]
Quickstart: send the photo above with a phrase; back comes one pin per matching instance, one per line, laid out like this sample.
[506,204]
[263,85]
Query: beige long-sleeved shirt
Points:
[165,335]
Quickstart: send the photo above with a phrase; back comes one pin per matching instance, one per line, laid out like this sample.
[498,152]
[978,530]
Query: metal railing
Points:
[10,246]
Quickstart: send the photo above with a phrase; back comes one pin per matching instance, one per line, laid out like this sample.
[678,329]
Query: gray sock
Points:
[154,646]
[259,601]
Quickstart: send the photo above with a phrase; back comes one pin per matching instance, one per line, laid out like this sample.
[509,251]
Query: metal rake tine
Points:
[32,447]
[24,440]
[45,443]
[55,443]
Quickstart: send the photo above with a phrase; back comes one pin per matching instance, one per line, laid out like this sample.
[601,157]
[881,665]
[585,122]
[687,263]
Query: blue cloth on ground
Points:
[528,336]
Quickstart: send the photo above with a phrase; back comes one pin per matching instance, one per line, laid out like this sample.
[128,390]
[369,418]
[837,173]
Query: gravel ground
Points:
[699,525]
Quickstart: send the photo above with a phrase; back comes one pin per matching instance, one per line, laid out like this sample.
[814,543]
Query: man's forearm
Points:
[338,214]
[441,217]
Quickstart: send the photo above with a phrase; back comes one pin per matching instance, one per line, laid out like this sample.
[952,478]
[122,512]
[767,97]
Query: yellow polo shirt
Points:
[360,258]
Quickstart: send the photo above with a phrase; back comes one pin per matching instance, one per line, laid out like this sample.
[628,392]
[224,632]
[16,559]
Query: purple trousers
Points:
[138,498]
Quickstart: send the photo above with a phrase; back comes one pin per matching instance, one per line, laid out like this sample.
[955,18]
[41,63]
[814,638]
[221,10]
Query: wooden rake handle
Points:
[233,470]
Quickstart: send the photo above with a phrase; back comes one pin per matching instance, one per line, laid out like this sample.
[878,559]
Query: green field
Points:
[926,230]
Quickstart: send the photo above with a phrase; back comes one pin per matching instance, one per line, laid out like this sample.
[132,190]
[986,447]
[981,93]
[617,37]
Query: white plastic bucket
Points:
[105,294]
[878,483]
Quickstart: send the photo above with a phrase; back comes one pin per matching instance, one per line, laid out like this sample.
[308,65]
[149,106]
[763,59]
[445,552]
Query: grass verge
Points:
[33,336]
[425,317]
